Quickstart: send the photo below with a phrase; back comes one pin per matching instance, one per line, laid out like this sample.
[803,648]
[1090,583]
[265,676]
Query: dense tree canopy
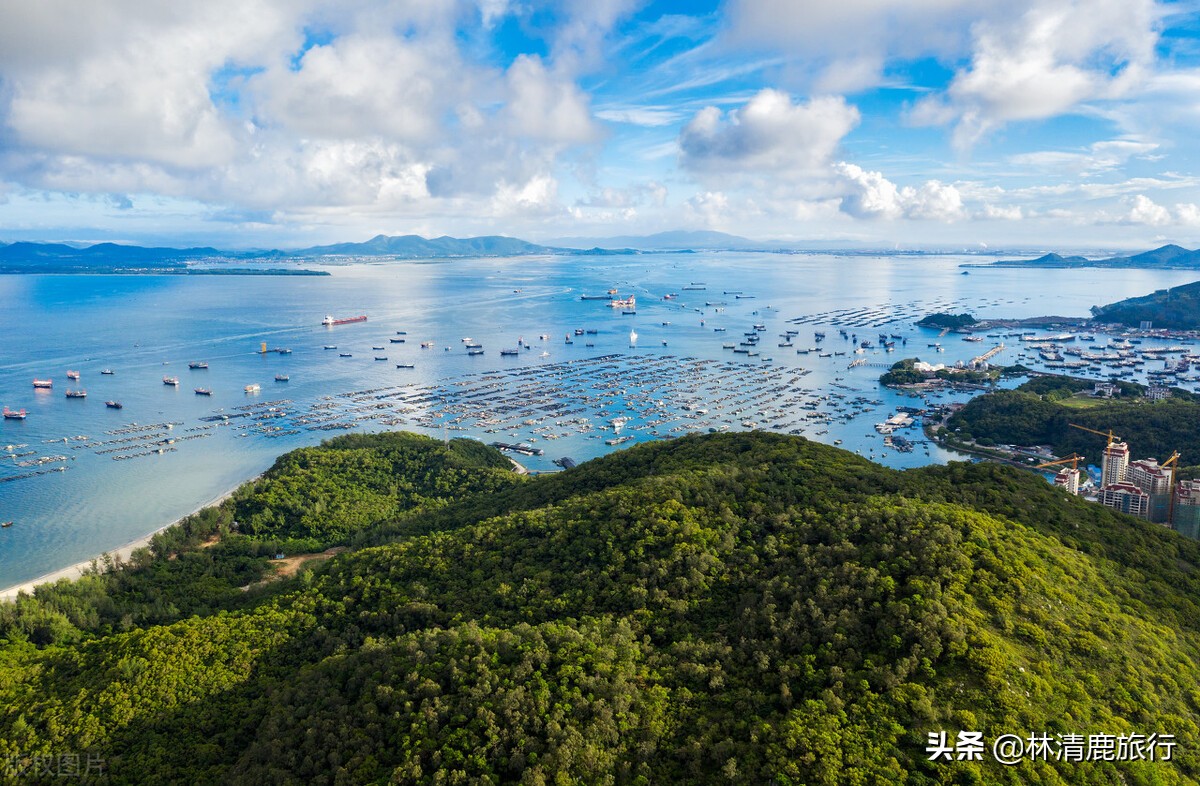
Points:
[736,608]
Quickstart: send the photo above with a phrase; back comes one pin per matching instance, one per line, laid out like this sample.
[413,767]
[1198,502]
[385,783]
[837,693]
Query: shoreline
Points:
[122,553]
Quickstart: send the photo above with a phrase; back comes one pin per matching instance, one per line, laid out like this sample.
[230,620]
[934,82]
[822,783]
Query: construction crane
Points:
[1108,434]
[1171,501]
[1072,460]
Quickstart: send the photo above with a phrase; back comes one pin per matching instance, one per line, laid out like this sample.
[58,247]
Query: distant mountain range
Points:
[69,257]
[1168,257]
[677,240]
[23,257]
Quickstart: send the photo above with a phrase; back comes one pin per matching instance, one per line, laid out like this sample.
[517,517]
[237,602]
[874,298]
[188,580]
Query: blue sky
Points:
[910,123]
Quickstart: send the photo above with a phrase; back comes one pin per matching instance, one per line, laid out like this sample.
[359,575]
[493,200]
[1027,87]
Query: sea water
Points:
[146,327]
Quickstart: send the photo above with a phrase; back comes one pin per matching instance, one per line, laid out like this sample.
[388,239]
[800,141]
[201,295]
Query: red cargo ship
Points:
[329,321]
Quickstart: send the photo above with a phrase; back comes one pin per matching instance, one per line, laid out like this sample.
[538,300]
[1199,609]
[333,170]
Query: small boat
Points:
[76,394]
[474,351]
[377,357]
[396,340]
[203,391]
[401,332]
[108,372]
[473,345]
[253,388]
[376,348]
[510,352]
[426,345]
[72,375]
[405,365]
[172,381]
[114,404]
[283,350]
[345,355]
[14,414]
[197,364]
[331,346]
[43,383]
[5,524]
[282,377]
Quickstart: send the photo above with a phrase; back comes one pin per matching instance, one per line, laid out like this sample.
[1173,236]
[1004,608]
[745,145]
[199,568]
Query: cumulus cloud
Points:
[1002,212]
[1188,213]
[871,195]
[1147,212]
[1045,62]
[364,85]
[546,107]
[297,107]
[770,133]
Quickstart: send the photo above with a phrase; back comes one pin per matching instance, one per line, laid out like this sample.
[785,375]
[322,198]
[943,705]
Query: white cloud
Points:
[707,209]
[769,133]
[1146,211]
[539,195]
[1097,158]
[1002,212]
[871,195]
[363,85]
[648,116]
[546,107]
[1045,62]
[1188,214]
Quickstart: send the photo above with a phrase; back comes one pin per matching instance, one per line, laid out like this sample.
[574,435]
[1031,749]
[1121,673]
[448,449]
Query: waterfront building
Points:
[1127,498]
[1186,519]
[1114,464]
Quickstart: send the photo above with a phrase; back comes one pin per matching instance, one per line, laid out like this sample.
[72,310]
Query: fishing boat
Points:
[172,381]
[14,414]
[282,377]
[345,355]
[76,394]
[331,346]
[405,365]
[43,383]
[377,357]
[108,372]
[197,364]
[203,391]
[629,302]
[376,348]
[114,404]
[253,388]
[72,375]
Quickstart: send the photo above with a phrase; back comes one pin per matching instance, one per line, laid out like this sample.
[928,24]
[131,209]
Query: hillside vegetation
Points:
[1034,414]
[1177,308]
[733,608]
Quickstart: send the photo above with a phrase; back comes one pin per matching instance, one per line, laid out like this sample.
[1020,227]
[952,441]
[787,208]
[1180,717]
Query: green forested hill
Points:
[737,608]
[1177,307]
[1035,414]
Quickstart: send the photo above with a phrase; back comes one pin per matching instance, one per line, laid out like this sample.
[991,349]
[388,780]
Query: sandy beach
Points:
[122,553]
